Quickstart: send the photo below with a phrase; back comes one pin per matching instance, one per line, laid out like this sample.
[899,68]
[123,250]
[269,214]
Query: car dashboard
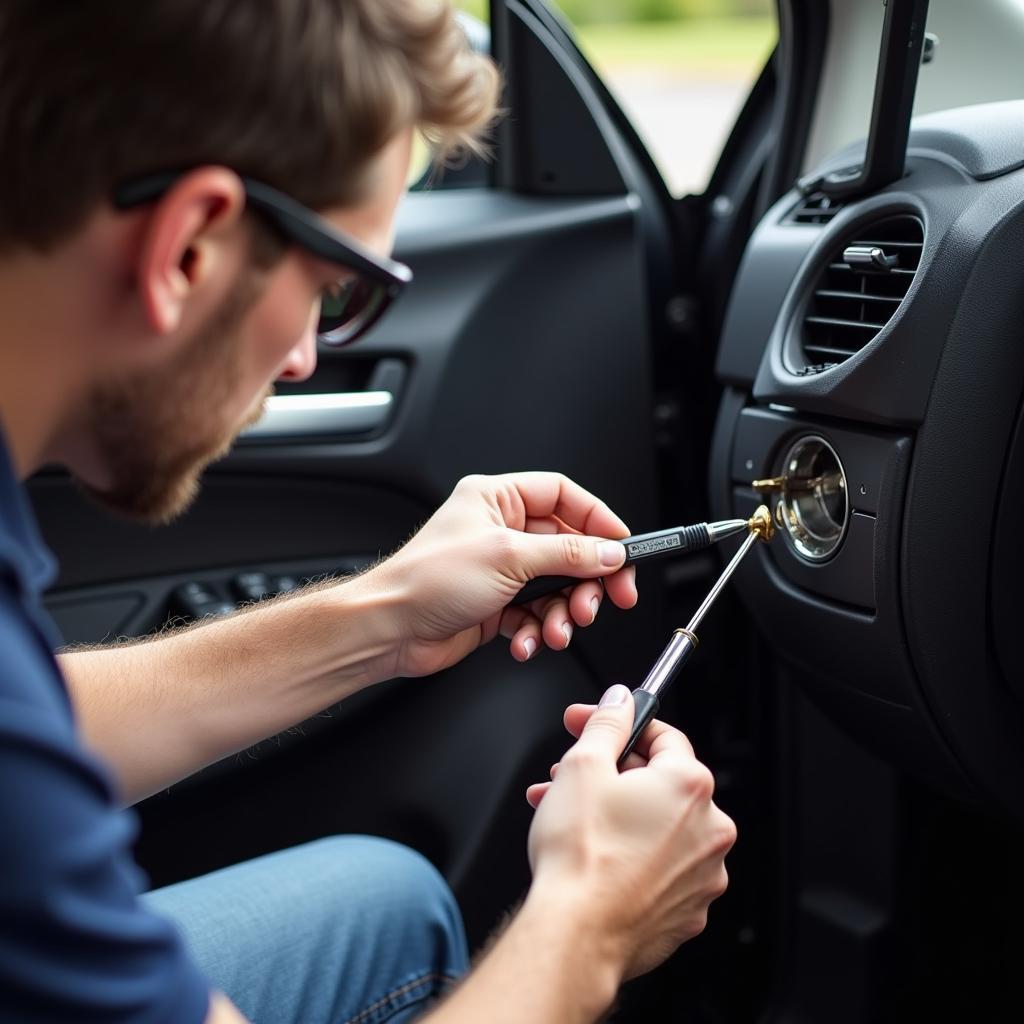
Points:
[872,362]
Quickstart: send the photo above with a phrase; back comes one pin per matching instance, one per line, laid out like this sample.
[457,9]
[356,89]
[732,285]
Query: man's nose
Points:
[301,361]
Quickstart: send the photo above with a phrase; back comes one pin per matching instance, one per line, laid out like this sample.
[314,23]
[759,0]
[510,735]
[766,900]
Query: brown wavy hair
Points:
[301,94]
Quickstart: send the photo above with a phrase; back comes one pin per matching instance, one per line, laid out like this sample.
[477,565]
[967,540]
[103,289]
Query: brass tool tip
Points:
[761,524]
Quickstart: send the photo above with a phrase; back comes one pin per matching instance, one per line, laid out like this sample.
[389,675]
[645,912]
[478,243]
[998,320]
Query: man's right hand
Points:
[639,854]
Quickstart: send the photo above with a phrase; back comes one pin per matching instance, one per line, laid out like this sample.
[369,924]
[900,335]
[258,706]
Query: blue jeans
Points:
[347,930]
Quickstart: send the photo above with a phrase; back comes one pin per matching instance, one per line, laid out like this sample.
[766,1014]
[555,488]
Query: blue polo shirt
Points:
[76,944]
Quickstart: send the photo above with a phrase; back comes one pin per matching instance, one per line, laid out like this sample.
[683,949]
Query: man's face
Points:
[157,430]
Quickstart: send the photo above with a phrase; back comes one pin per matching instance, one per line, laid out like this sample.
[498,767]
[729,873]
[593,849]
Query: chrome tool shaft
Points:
[698,615]
[684,641]
[647,696]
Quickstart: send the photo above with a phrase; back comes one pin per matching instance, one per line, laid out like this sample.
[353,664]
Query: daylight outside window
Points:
[681,70]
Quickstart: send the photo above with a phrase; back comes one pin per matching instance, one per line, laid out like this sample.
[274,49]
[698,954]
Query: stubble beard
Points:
[156,432]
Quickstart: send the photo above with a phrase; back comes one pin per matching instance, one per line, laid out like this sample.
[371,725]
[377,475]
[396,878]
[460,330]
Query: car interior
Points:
[838,318]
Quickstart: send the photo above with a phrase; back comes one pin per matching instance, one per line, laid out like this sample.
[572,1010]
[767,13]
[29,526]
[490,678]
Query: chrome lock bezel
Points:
[811,521]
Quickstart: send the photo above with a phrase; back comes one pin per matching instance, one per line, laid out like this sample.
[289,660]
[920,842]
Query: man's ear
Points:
[185,234]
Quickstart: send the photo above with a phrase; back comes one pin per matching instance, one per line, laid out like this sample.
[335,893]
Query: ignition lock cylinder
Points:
[813,506]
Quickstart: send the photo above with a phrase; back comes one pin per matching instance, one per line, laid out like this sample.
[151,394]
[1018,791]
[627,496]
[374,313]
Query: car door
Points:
[553,324]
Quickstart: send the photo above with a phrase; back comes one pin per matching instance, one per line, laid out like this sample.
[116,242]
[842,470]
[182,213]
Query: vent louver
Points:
[816,208]
[859,290]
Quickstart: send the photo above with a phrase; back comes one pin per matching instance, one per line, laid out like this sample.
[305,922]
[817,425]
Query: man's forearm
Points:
[159,710]
[549,967]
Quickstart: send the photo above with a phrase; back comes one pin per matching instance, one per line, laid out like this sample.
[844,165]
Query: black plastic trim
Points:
[799,58]
[899,61]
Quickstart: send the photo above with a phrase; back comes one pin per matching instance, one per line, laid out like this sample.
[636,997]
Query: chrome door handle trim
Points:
[332,415]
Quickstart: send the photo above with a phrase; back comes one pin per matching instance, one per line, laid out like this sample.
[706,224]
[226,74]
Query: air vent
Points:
[816,208]
[859,290]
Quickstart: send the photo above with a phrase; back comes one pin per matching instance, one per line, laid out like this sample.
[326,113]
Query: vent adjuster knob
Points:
[869,257]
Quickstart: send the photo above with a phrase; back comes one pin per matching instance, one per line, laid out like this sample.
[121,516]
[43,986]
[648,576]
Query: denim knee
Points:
[402,896]
[346,929]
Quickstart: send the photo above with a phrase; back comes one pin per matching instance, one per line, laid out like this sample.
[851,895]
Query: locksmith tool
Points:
[647,696]
[678,540]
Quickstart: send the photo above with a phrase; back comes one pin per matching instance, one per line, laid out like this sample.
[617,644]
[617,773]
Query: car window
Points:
[470,172]
[977,54]
[974,57]
[680,69]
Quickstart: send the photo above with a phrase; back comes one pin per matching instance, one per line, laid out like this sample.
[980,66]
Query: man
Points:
[156,275]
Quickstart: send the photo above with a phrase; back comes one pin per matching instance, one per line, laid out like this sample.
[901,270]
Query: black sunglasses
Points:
[350,306]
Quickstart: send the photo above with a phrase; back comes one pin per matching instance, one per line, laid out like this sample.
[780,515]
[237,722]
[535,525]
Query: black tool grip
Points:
[667,543]
[645,707]
[542,586]
[661,544]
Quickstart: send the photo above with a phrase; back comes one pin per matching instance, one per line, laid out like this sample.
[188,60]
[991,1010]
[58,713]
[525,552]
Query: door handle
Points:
[321,416]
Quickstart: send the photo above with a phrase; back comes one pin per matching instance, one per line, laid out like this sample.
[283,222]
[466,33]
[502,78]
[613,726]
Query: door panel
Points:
[527,324]
[239,518]
[521,345]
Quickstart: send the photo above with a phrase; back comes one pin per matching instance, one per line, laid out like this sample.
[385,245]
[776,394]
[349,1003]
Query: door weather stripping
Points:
[321,416]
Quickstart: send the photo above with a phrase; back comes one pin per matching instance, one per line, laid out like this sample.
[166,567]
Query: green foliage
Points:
[587,12]
[582,12]
[478,8]
[724,45]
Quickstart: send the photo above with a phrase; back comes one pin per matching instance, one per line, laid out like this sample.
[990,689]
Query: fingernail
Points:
[530,646]
[567,632]
[610,552]
[595,603]
[614,695]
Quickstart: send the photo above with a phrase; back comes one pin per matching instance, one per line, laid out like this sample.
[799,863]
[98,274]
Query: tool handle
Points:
[661,544]
[542,586]
[667,543]
[645,707]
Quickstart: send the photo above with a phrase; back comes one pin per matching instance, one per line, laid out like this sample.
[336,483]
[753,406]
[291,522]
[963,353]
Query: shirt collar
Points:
[22,551]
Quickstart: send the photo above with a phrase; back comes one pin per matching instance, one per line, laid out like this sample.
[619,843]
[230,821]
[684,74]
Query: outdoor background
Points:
[681,70]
